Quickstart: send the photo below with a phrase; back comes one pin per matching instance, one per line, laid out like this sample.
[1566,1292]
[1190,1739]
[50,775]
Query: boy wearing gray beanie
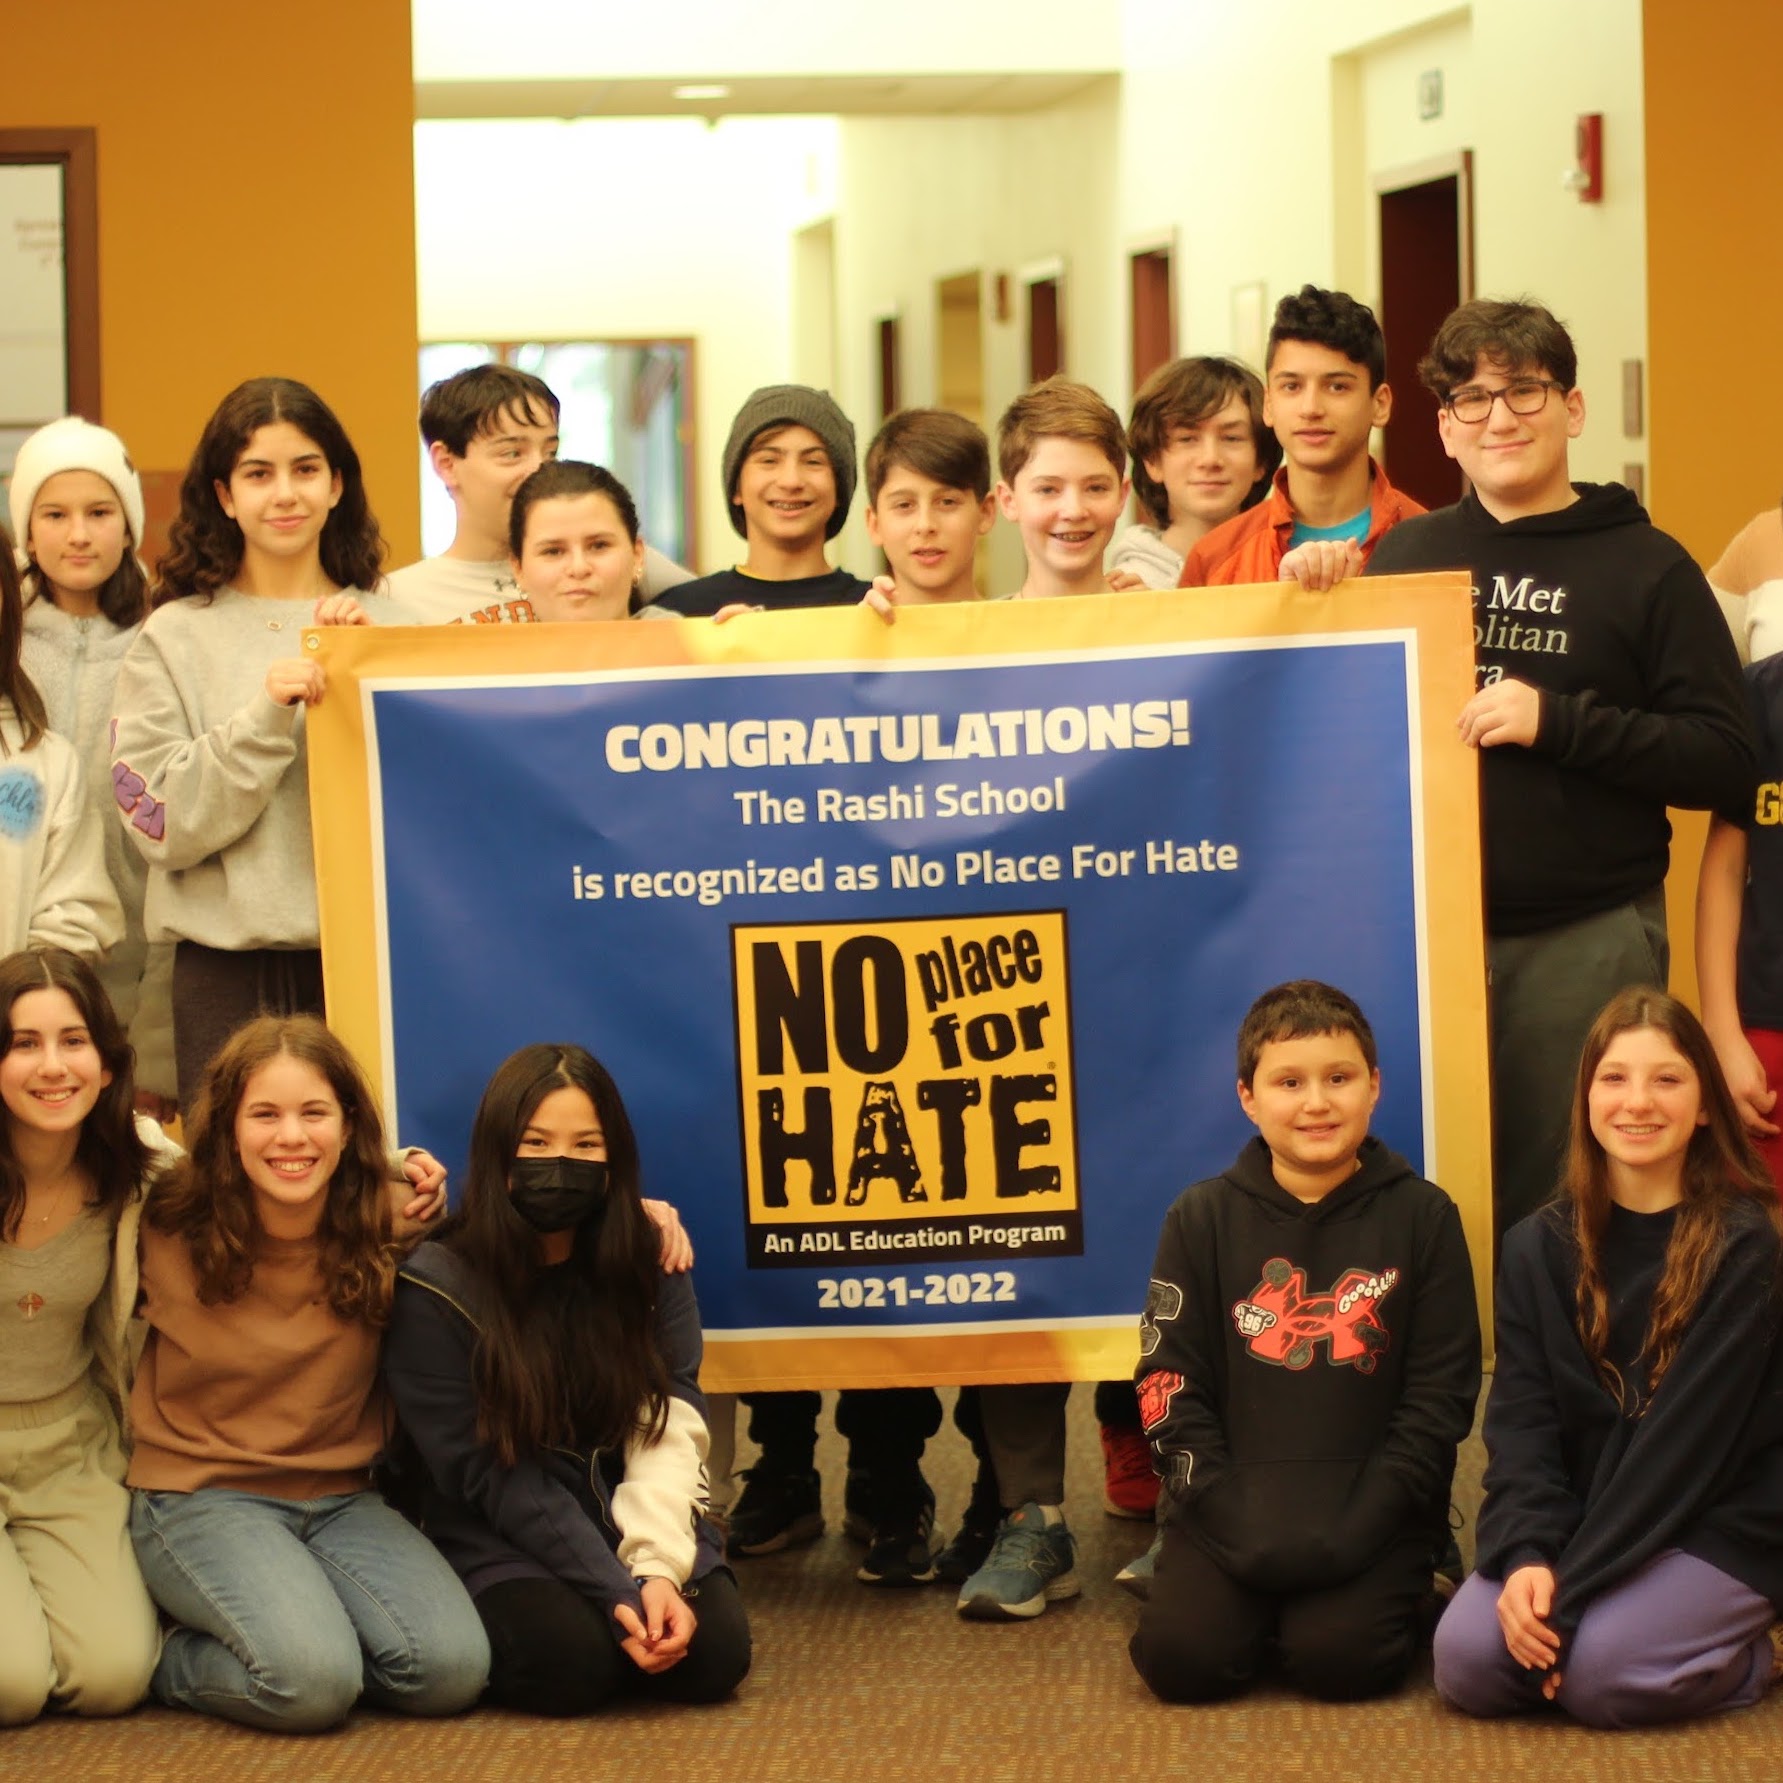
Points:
[789,475]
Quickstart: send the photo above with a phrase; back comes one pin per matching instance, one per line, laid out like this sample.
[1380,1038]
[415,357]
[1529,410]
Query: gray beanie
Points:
[793,405]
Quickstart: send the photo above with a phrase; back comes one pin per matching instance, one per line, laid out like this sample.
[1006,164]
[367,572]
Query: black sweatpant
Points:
[215,991]
[555,1652]
[886,1428]
[1203,1636]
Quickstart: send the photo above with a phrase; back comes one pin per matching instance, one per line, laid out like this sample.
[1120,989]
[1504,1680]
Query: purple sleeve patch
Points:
[132,793]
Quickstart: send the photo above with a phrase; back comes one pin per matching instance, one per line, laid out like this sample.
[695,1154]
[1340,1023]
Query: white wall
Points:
[1249,135]
[540,230]
[922,199]
[1256,132]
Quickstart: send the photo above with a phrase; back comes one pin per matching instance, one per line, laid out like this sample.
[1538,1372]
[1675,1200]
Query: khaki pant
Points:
[80,1631]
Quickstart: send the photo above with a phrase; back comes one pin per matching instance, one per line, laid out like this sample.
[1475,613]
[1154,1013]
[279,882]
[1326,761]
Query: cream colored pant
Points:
[79,1630]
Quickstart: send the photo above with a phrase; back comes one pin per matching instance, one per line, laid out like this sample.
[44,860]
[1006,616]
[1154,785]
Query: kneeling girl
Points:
[546,1369]
[1630,1548]
[267,1269]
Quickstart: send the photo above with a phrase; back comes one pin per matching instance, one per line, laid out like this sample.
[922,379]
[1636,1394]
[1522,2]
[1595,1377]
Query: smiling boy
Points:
[1608,689]
[1330,503]
[789,473]
[1310,1358]
[1201,452]
[929,503]
[1062,459]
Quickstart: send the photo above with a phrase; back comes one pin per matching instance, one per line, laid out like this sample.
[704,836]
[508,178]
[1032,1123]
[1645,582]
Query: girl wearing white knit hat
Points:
[77,514]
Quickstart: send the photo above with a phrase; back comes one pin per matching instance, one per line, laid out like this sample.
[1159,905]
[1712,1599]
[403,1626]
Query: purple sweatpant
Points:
[1677,1638]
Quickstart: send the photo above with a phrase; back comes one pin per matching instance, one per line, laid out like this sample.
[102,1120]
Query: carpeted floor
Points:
[852,1685]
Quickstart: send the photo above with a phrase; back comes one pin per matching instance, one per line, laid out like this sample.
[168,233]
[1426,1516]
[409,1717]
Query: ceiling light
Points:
[712,91]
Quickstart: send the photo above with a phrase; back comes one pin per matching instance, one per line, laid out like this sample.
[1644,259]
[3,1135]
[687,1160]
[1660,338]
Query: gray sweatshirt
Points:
[73,661]
[212,776]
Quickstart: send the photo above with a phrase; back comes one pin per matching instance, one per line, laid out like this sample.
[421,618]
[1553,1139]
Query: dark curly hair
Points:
[205,546]
[1331,319]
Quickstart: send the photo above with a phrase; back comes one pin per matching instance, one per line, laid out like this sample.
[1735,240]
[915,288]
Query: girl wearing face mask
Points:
[546,1369]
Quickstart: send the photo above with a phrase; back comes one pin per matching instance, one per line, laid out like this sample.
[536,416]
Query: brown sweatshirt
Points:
[271,1393]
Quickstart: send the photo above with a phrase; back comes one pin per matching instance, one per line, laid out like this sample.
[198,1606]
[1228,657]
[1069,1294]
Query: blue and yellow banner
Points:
[918,951]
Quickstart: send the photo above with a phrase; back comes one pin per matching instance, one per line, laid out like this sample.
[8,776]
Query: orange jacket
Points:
[1250,546]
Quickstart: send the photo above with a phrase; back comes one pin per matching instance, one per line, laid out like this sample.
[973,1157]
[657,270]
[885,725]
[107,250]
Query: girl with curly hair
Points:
[267,1269]
[274,533]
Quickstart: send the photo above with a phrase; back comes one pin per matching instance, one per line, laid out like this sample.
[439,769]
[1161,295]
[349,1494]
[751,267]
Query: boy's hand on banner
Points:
[1506,712]
[1320,564]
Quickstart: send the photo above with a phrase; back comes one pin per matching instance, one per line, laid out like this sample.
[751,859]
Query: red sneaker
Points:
[1129,1484]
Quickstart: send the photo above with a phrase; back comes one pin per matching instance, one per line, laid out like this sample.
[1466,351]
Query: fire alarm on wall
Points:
[1585,177]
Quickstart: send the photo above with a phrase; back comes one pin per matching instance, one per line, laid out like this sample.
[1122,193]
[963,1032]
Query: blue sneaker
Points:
[1137,1575]
[1029,1566]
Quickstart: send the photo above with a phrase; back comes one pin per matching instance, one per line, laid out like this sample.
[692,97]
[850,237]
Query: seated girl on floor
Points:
[75,1167]
[268,1263]
[1630,1548]
[546,1369]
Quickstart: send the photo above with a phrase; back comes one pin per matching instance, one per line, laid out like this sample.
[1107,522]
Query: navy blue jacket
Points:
[1594,1489]
[548,1516]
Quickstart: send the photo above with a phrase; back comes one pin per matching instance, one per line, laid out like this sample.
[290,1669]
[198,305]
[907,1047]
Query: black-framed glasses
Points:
[1525,396]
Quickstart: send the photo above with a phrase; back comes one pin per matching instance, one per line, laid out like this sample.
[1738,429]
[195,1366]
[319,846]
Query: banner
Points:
[918,951]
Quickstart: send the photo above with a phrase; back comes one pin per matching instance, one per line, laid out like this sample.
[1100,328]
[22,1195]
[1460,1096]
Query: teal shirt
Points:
[1356,528]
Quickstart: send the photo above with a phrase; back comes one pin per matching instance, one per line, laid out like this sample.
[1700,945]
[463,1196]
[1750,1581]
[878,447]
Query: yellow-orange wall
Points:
[1714,293]
[256,211]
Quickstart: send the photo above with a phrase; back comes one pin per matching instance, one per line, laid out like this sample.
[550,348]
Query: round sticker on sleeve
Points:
[21,803]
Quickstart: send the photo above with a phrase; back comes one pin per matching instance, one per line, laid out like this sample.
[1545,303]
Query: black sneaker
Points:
[900,1551]
[775,1511]
[857,1505]
[969,1549]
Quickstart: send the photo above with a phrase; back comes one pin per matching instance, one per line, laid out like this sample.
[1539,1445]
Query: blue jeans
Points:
[294,1609]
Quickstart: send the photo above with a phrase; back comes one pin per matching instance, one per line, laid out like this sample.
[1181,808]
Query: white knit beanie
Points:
[72,444]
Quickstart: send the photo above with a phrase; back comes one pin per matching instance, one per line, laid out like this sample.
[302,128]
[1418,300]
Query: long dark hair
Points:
[15,684]
[566,1358]
[1721,1171]
[210,1202]
[205,546]
[110,1152]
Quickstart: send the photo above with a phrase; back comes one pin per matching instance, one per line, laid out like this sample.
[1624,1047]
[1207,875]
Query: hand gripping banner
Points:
[918,951]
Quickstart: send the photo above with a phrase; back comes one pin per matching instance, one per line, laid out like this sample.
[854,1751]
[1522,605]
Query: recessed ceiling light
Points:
[714,91]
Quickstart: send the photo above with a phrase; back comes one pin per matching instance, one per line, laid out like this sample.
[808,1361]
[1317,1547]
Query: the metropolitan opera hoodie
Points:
[1307,1370]
[1641,707]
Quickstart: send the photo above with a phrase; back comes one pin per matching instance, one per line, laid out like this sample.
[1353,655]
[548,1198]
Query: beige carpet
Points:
[852,1684]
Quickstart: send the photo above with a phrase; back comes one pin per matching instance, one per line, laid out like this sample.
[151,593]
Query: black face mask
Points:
[556,1194]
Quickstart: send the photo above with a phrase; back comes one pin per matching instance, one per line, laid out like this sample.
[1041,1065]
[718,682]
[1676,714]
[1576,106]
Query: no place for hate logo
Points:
[906,1085]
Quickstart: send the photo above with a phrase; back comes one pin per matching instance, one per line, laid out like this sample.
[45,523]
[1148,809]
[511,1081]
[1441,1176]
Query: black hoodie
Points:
[1642,705]
[1308,1369]
[1594,1487]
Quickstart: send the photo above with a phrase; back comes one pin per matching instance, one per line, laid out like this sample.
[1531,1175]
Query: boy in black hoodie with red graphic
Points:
[1309,1363]
[1608,689]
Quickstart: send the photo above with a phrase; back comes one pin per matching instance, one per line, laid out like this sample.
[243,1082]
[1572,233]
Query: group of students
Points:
[1609,687]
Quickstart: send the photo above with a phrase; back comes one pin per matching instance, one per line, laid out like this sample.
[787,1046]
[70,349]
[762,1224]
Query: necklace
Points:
[58,1199]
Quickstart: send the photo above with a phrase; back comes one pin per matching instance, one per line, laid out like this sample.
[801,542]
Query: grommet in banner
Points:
[312,640]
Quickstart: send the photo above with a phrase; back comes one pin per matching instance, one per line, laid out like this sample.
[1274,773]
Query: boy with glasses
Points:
[1607,689]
